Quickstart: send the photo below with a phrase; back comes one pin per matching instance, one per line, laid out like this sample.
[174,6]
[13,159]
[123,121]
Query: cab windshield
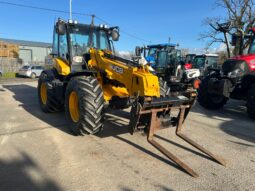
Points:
[82,38]
[199,62]
[168,58]
[210,61]
[153,52]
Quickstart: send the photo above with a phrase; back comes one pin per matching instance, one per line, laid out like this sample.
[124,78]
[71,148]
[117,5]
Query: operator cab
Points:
[205,62]
[167,62]
[72,42]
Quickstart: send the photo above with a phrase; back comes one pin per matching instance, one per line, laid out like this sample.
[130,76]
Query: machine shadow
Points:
[15,175]
[235,120]
[27,96]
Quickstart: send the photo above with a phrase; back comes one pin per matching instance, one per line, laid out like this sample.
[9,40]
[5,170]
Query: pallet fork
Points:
[147,114]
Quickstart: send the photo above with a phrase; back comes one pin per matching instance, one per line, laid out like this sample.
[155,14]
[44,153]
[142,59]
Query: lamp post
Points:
[70,9]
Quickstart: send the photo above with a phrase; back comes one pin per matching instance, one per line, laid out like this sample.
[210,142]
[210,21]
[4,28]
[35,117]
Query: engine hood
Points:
[249,59]
[246,58]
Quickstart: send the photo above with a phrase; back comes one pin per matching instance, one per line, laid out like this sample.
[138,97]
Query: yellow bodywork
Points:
[131,81]
[61,66]
[135,80]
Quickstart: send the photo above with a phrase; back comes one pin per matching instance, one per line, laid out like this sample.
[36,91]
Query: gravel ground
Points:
[37,151]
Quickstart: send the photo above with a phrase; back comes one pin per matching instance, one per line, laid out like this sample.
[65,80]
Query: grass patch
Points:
[9,75]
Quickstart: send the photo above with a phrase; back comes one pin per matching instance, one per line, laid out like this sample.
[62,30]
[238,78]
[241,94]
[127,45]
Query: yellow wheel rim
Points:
[43,91]
[74,107]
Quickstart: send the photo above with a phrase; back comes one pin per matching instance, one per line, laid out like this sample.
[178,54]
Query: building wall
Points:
[33,54]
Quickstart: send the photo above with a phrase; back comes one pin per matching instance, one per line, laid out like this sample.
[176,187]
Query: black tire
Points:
[90,105]
[251,103]
[52,104]
[164,89]
[33,76]
[207,100]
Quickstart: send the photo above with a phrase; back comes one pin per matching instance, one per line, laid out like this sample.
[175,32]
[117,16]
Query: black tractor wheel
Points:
[208,100]
[84,104]
[47,99]
[251,102]
[164,89]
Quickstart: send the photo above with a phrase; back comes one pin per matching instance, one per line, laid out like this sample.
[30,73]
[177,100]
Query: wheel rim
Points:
[74,107]
[43,92]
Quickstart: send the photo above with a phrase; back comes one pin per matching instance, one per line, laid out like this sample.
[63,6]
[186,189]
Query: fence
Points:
[10,64]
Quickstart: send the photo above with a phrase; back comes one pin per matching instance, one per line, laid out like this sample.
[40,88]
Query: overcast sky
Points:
[153,21]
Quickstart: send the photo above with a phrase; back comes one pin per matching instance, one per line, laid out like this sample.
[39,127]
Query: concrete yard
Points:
[37,151]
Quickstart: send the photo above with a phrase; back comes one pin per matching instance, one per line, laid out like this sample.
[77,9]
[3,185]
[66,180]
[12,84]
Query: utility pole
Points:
[70,10]
[93,19]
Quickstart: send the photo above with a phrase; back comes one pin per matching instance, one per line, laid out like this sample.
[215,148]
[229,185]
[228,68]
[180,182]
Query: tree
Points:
[240,15]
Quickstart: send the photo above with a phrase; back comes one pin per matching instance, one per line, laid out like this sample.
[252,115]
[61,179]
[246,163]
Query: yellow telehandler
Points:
[85,73]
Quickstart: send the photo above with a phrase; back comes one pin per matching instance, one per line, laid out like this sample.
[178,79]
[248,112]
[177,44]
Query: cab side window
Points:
[55,43]
[63,50]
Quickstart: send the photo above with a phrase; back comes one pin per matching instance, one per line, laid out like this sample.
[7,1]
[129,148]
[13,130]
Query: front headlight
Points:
[77,59]
[236,73]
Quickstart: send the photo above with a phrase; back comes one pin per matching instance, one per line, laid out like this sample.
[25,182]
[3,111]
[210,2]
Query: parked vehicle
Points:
[168,65]
[235,80]
[205,62]
[31,71]
[1,73]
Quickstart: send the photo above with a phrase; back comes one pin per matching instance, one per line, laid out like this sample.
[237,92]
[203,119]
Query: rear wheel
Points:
[207,100]
[84,104]
[47,99]
[251,103]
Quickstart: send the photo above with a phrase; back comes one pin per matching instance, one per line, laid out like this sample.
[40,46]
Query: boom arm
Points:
[123,79]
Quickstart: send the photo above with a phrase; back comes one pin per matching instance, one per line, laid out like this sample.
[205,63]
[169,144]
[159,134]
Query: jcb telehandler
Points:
[86,73]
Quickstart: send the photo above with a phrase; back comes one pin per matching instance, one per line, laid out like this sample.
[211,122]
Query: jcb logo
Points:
[117,69]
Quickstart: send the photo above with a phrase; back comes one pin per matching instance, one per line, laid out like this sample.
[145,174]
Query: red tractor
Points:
[235,80]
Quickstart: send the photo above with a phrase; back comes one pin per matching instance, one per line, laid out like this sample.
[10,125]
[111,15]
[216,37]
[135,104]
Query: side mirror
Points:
[115,35]
[60,28]
[138,51]
[235,39]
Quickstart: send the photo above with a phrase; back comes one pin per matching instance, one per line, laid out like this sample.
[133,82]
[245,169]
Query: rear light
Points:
[188,66]
[252,64]
[196,83]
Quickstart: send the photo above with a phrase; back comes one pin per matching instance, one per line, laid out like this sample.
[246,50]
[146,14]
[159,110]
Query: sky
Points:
[153,21]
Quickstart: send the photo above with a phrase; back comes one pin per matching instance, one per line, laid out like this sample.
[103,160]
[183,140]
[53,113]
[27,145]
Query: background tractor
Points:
[167,62]
[235,80]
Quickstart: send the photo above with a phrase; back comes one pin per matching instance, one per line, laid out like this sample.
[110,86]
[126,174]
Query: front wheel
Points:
[208,100]
[84,104]
[251,103]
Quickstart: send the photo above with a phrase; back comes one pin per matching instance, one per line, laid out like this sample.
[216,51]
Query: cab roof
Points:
[162,45]
[212,55]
